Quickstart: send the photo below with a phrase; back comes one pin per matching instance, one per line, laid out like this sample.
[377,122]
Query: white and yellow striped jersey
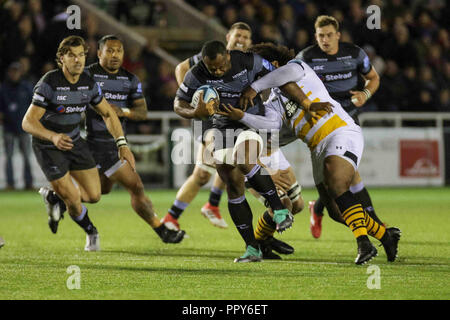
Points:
[311,130]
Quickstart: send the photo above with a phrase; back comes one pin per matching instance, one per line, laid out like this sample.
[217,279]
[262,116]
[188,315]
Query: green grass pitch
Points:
[135,264]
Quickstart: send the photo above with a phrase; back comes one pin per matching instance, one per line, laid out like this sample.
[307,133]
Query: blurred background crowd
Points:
[411,51]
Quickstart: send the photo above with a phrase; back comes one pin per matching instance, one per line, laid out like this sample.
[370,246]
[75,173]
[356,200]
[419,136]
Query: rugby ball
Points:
[209,93]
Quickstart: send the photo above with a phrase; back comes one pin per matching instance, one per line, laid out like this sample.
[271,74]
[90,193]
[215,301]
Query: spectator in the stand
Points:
[428,97]
[444,100]
[15,97]
[426,25]
[357,22]
[387,97]
[229,16]
[400,48]
[248,15]
[301,40]
[38,17]
[210,11]
[412,88]
[287,22]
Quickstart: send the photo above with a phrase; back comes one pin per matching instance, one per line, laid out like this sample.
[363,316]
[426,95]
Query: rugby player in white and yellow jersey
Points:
[335,141]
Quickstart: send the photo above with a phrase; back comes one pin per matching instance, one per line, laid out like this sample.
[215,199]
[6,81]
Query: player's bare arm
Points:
[203,110]
[138,112]
[31,124]
[359,98]
[180,71]
[115,128]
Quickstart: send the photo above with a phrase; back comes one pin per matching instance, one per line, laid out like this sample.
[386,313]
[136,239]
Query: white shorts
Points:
[276,161]
[346,142]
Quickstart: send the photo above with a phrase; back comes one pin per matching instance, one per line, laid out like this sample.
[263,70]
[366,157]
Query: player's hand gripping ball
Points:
[205,101]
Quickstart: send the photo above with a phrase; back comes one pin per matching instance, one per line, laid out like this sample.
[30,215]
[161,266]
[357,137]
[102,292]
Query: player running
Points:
[239,37]
[53,119]
[123,91]
[229,72]
[336,145]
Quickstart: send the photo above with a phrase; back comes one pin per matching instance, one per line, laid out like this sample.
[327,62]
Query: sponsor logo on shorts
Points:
[60,109]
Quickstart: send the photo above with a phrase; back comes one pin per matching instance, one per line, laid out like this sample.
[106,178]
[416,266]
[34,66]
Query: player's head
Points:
[71,54]
[239,37]
[327,34]
[110,53]
[278,55]
[216,58]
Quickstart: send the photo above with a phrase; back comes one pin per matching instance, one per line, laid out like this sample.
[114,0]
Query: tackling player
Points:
[336,145]
[341,66]
[53,119]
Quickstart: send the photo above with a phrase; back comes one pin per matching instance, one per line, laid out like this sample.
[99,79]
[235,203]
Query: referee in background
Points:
[351,80]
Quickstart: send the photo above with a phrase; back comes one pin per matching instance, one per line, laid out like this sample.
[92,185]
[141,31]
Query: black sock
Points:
[84,222]
[318,207]
[177,208]
[242,217]
[214,196]
[263,184]
[364,197]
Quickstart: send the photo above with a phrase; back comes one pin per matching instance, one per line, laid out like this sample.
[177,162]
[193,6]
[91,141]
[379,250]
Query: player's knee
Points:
[201,176]
[93,197]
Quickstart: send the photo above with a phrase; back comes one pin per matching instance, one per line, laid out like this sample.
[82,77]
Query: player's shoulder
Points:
[94,68]
[347,48]
[309,53]
[126,73]
[52,77]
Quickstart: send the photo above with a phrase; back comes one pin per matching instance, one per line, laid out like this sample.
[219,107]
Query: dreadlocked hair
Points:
[273,52]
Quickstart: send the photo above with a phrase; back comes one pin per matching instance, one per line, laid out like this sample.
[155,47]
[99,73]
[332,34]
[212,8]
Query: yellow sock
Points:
[355,220]
[265,227]
[374,229]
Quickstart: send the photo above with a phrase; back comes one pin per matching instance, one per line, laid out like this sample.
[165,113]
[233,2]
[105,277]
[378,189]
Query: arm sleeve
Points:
[188,87]
[42,94]
[291,72]
[97,95]
[364,65]
[136,89]
[271,120]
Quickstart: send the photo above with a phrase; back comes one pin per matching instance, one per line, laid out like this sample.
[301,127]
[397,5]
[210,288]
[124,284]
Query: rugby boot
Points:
[366,250]
[390,241]
[251,255]
[283,219]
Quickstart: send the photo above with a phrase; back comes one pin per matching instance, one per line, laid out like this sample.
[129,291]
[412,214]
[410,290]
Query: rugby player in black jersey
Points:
[123,91]
[238,38]
[236,148]
[351,80]
[53,119]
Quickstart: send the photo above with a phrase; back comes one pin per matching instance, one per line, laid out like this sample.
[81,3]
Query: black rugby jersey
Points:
[120,89]
[64,102]
[245,68]
[341,72]
[195,59]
